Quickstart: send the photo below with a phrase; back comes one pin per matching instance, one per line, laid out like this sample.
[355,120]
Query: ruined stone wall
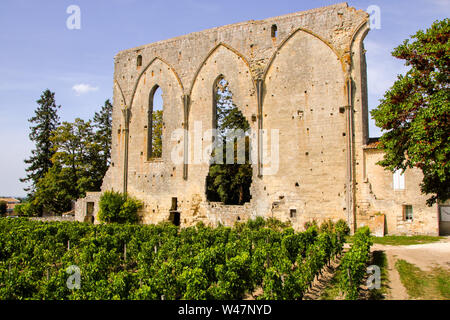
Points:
[304,70]
[305,86]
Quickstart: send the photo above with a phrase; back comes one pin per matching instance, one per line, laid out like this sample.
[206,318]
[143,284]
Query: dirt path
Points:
[320,283]
[425,256]
[396,290]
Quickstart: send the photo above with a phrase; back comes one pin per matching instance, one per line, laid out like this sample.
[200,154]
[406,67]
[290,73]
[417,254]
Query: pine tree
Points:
[102,123]
[45,121]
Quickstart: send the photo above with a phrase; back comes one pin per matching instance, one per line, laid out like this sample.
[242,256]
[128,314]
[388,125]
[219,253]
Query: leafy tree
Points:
[415,112]
[102,123]
[56,190]
[229,183]
[44,123]
[3,208]
[157,125]
[26,209]
[75,160]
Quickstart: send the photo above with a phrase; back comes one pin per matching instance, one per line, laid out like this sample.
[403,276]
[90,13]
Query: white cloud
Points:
[83,88]
[441,3]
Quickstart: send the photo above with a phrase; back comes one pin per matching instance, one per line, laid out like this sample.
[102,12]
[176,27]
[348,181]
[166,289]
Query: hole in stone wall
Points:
[274,31]
[175,218]
[293,213]
[230,171]
[139,61]
[155,123]
[174,204]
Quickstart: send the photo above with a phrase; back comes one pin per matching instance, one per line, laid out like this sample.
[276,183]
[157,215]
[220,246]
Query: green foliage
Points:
[342,227]
[74,172]
[415,112]
[26,209]
[79,156]
[3,208]
[229,182]
[102,123]
[354,263]
[157,125]
[118,207]
[44,122]
[161,261]
[309,224]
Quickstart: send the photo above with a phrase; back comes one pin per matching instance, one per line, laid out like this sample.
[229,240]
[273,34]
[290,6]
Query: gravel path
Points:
[425,256]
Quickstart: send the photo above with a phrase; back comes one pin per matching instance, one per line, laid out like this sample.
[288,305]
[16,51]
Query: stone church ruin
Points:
[300,82]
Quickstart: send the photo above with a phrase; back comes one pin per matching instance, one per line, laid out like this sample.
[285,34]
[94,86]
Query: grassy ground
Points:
[332,292]
[434,285]
[402,240]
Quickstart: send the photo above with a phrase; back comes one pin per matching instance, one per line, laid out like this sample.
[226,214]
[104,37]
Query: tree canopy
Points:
[79,158]
[44,122]
[415,112]
[229,182]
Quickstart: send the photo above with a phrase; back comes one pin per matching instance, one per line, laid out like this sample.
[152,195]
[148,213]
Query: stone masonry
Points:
[301,78]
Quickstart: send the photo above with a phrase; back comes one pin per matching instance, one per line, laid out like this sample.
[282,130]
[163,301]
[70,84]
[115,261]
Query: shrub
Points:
[309,224]
[327,226]
[26,209]
[342,227]
[118,207]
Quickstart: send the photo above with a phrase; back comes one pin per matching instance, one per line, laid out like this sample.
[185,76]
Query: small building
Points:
[11,203]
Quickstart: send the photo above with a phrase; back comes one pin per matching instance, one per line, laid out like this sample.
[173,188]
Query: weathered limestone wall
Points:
[304,69]
[307,85]
[380,197]
[81,211]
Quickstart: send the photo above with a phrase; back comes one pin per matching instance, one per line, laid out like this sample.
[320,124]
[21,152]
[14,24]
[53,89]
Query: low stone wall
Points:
[228,215]
[54,218]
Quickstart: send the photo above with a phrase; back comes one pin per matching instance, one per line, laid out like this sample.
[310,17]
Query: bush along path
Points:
[354,264]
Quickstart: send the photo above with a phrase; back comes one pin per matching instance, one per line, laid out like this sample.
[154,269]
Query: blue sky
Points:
[38,51]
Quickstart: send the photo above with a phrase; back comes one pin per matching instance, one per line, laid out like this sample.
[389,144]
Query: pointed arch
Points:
[116,83]
[210,53]
[292,35]
[362,29]
[150,132]
[145,70]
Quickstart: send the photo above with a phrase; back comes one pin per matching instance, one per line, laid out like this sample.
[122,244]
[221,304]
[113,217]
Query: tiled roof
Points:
[373,143]
[9,200]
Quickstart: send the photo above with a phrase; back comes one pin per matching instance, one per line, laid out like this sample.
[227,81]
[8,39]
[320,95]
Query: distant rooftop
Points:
[9,200]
